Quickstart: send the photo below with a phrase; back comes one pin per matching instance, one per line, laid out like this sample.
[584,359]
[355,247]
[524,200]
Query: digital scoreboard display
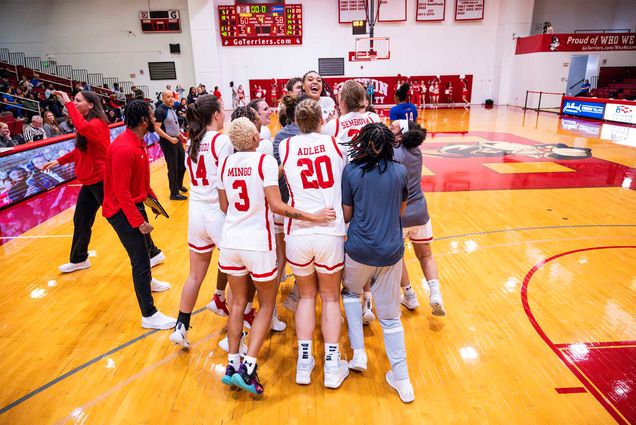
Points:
[261,25]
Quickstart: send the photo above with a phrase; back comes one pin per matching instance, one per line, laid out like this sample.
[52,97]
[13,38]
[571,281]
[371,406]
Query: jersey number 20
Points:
[316,174]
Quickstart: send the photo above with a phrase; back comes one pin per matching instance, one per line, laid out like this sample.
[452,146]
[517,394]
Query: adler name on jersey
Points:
[239,171]
[313,150]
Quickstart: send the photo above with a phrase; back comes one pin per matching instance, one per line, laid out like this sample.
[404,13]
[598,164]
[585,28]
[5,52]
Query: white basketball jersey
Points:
[265,146]
[349,125]
[249,224]
[313,165]
[213,149]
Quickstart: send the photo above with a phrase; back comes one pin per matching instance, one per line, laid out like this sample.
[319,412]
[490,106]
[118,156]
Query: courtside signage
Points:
[621,113]
[583,109]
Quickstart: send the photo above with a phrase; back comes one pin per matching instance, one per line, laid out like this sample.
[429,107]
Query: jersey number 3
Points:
[244,203]
[201,174]
[316,174]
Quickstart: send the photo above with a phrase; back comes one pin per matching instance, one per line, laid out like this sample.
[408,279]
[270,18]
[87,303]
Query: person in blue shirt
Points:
[585,88]
[374,195]
[403,110]
[370,91]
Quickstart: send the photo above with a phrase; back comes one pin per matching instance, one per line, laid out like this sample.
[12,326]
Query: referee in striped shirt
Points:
[35,130]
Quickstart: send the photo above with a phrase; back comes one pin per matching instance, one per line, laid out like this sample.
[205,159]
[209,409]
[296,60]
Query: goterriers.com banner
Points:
[575,43]
[383,87]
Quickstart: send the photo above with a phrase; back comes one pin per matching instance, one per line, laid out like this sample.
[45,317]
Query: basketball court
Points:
[534,216]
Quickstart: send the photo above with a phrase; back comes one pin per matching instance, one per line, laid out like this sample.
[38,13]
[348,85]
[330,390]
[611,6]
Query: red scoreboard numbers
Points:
[261,25]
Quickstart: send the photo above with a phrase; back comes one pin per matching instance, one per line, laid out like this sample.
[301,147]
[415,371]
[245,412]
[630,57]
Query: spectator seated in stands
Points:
[26,84]
[49,90]
[34,131]
[50,125]
[9,99]
[35,81]
[6,139]
[67,125]
[585,88]
[4,84]
[137,93]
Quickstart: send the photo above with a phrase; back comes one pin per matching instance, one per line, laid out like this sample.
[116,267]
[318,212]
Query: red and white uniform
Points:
[205,218]
[240,93]
[313,165]
[416,94]
[434,89]
[464,89]
[248,244]
[274,92]
[423,92]
[265,146]
[347,126]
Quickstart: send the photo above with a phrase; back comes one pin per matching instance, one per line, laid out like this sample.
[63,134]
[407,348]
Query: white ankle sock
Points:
[433,285]
[368,296]
[408,290]
[234,360]
[332,354]
[304,349]
[250,364]
[248,308]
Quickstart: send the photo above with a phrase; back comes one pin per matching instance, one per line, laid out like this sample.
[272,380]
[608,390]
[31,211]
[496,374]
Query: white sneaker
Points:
[71,267]
[335,375]
[291,302]
[303,371]
[159,286]
[437,304]
[157,259]
[410,301]
[158,321]
[225,345]
[403,387]
[359,361]
[367,312]
[277,324]
[180,336]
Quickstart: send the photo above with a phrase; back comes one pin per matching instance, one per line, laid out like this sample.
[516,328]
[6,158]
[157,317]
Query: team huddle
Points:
[332,197]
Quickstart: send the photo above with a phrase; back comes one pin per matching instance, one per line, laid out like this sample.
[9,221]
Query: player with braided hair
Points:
[374,247]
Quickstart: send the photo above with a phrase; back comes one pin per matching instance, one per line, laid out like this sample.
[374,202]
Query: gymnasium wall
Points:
[568,16]
[548,71]
[447,47]
[93,34]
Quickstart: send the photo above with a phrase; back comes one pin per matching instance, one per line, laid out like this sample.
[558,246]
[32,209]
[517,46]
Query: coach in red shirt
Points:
[126,186]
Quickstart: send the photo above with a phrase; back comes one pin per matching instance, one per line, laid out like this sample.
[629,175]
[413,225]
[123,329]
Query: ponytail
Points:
[199,115]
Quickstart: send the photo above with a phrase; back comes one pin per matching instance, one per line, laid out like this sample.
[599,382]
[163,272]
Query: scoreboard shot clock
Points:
[160,21]
[261,24]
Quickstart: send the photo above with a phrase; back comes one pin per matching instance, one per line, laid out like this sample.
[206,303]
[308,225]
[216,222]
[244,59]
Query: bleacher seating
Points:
[617,83]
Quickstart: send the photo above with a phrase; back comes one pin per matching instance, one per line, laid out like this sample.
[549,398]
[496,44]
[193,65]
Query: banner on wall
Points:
[469,10]
[392,11]
[351,10]
[384,87]
[579,108]
[430,10]
[589,42]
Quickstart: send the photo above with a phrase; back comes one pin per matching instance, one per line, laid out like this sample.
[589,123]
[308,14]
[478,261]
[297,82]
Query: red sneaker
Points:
[219,307]
[248,318]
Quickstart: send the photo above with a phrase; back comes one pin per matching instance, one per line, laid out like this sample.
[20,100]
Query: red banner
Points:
[384,87]
[575,43]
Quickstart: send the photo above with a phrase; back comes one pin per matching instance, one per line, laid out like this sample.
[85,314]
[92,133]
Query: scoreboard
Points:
[261,24]
[160,21]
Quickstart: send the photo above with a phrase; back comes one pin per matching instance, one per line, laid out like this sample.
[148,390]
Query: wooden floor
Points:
[539,281]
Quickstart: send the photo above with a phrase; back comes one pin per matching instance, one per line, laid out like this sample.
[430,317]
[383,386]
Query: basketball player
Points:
[416,220]
[248,188]
[314,88]
[206,149]
[374,247]
[346,128]
[313,165]
[403,109]
[265,114]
